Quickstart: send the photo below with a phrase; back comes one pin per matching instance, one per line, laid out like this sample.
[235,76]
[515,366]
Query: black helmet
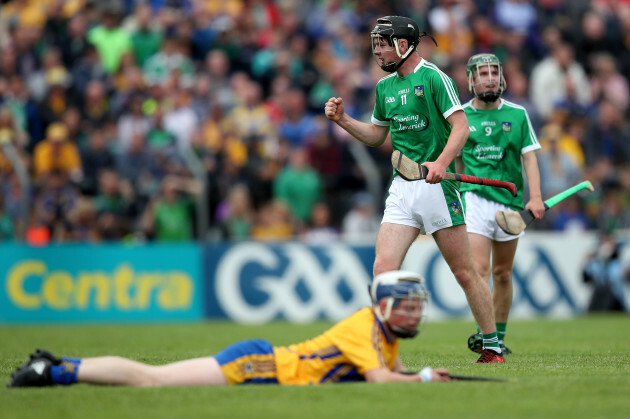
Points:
[393,28]
[396,27]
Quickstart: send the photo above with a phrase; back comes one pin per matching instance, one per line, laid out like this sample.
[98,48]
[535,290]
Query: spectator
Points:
[132,122]
[325,155]
[299,186]
[158,137]
[96,106]
[52,73]
[75,43]
[138,165]
[607,83]
[558,78]
[7,230]
[146,36]
[236,215]
[607,135]
[217,68]
[603,269]
[250,121]
[557,167]
[86,225]
[55,205]
[57,99]
[298,124]
[85,69]
[361,224]
[95,156]
[597,34]
[273,223]
[57,153]
[569,216]
[182,120]
[11,131]
[114,206]
[169,218]
[170,65]
[614,212]
[320,230]
[25,112]
[449,21]
[111,41]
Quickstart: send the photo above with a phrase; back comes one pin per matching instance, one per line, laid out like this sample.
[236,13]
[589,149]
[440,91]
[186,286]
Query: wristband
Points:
[425,374]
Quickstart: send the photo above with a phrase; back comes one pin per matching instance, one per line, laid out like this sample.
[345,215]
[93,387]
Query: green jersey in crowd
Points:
[415,108]
[498,138]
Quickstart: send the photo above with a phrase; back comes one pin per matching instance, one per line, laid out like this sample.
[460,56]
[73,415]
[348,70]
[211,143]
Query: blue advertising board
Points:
[256,282]
[79,283]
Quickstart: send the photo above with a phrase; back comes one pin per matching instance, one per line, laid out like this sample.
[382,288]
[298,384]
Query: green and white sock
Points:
[491,341]
[501,327]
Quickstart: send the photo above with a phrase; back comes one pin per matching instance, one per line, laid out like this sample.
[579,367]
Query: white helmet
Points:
[394,286]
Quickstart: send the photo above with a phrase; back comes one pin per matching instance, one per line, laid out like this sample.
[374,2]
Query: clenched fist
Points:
[334,108]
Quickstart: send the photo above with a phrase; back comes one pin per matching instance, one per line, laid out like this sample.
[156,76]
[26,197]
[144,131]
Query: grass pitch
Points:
[576,368]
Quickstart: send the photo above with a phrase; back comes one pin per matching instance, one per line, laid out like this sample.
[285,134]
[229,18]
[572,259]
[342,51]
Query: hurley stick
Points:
[411,170]
[513,222]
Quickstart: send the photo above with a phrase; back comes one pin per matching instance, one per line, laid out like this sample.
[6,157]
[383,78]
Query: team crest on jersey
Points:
[419,91]
[248,368]
[455,207]
[507,126]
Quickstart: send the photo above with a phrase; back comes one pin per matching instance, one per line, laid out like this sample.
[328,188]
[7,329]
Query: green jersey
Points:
[415,108]
[498,138]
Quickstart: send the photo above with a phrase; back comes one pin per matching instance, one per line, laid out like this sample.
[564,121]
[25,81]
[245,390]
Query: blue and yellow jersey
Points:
[343,353]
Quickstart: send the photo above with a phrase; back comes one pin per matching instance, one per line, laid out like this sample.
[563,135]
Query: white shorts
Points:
[480,218]
[427,207]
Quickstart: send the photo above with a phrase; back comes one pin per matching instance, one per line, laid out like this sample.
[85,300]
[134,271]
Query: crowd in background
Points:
[125,114]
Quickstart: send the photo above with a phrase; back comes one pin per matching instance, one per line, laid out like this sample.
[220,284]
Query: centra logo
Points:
[31,285]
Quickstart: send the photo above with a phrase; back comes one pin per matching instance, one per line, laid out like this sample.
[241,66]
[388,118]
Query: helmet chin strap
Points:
[403,333]
[392,66]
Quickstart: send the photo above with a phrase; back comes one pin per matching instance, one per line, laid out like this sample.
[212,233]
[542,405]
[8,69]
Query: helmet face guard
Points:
[396,286]
[473,72]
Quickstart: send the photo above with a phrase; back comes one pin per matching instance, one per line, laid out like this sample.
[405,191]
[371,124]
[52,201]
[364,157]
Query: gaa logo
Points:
[257,283]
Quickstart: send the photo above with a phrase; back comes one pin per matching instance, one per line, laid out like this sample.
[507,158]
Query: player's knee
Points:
[465,278]
[501,278]
[483,270]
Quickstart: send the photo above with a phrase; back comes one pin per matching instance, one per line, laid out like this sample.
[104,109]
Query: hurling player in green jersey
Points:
[501,143]
[419,105]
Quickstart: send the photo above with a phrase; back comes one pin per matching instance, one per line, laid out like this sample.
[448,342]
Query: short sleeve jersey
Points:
[498,138]
[343,353]
[415,108]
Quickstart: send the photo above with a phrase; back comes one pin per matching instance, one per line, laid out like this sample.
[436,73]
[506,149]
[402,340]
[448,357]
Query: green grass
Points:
[560,368]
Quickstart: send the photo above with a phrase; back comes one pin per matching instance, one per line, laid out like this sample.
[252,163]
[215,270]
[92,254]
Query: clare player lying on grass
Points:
[362,347]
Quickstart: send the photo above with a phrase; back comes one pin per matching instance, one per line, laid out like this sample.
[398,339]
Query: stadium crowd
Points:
[124,115]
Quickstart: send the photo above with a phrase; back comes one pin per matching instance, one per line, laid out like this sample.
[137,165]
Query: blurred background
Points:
[200,123]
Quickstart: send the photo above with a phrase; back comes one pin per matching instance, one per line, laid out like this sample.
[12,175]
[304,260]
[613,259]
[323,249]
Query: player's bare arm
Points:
[369,134]
[535,204]
[456,140]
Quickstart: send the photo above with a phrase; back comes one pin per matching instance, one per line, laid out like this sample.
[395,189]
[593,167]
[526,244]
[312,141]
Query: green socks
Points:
[501,331]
